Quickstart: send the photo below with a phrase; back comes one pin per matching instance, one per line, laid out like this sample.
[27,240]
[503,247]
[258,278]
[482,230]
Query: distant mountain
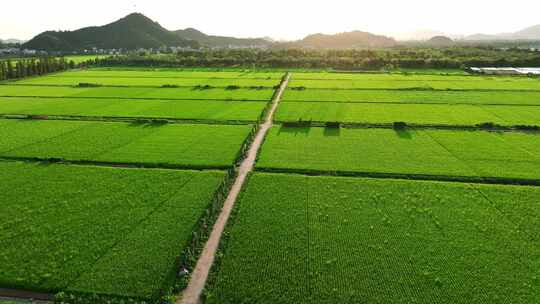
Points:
[131,32]
[440,41]
[221,41]
[347,40]
[530,33]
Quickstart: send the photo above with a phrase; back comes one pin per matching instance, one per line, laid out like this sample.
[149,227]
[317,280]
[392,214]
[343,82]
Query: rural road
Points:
[192,293]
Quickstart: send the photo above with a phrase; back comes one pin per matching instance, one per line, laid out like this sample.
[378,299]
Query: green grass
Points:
[177,109]
[350,240]
[393,96]
[410,152]
[417,74]
[178,145]
[113,80]
[97,230]
[152,93]
[419,114]
[170,73]
[399,81]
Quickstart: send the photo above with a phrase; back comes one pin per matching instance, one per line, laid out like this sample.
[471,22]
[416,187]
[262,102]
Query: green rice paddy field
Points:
[148,81]
[419,82]
[140,93]
[299,239]
[413,114]
[422,152]
[415,97]
[95,228]
[217,110]
[91,228]
[180,145]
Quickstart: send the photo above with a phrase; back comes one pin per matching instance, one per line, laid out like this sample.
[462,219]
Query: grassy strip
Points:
[130,98]
[138,165]
[245,87]
[400,102]
[488,126]
[135,120]
[419,89]
[424,177]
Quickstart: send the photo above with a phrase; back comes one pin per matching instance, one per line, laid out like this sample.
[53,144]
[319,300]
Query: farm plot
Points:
[149,81]
[215,110]
[170,73]
[408,152]
[425,74]
[175,145]
[94,230]
[255,94]
[411,96]
[342,240]
[419,82]
[414,114]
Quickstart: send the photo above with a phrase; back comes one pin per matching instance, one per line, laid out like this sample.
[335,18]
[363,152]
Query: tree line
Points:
[22,68]
[453,57]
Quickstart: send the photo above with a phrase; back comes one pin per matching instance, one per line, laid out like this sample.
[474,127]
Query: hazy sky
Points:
[282,19]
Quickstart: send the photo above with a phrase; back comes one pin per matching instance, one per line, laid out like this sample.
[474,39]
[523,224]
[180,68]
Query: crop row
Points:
[408,152]
[419,114]
[97,230]
[176,145]
[215,110]
[134,92]
[350,240]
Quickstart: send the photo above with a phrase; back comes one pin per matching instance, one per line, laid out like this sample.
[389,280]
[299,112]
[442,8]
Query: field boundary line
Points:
[192,293]
[431,103]
[360,125]
[133,98]
[13,294]
[417,89]
[127,119]
[404,176]
[131,86]
[91,163]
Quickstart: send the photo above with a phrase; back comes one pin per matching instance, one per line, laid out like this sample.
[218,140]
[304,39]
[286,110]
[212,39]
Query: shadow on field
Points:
[294,130]
[404,134]
[332,132]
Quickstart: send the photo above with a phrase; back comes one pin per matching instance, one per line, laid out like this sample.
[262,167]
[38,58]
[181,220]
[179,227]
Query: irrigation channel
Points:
[192,293]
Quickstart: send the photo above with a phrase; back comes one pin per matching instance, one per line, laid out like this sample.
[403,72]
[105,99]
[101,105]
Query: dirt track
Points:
[192,293]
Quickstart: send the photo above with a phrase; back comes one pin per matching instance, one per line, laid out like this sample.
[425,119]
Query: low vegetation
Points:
[347,240]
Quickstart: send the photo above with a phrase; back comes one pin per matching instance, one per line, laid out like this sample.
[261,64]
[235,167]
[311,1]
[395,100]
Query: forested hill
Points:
[221,41]
[131,32]
[347,40]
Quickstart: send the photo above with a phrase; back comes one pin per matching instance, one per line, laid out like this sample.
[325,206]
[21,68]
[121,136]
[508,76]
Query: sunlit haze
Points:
[279,19]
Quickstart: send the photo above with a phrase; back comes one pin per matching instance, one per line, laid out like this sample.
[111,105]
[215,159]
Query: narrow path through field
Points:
[192,293]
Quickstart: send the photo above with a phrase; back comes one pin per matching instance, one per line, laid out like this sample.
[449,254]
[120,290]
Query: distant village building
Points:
[506,71]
